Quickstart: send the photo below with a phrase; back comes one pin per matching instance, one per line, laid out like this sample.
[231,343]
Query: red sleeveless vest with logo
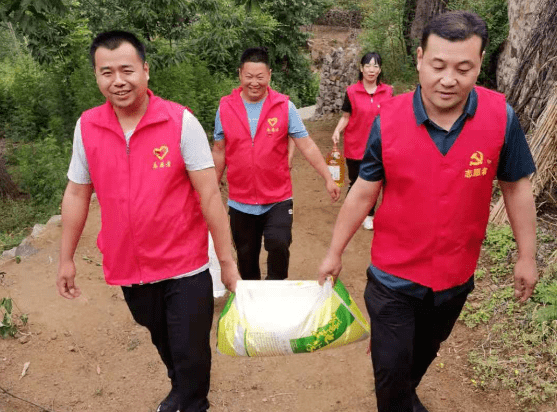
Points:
[152,225]
[361,119]
[258,170]
[430,226]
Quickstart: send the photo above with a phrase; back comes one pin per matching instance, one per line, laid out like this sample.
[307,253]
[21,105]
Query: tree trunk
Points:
[528,66]
[409,15]
[424,10]
[8,189]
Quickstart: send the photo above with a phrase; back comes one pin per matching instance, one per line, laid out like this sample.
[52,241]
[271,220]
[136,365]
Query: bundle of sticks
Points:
[543,145]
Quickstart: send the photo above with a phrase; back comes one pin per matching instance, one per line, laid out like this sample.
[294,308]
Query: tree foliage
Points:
[393,28]
[232,29]
[291,67]
[385,34]
[273,24]
[193,48]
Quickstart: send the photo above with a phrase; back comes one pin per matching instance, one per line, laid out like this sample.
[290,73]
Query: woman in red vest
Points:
[361,104]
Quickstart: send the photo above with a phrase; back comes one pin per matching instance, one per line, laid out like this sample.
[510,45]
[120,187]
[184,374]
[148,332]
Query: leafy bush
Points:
[192,84]
[24,115]
[10,324]
[34,101]
[41,171]
[85,93]
[300,96]
[219,38]
[383,33]
[291,67]
[349,4]
[17,216]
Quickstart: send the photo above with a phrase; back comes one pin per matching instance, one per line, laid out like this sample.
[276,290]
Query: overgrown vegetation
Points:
[350,4]
[10,324]
[384,32]
[40,168]
[519,349]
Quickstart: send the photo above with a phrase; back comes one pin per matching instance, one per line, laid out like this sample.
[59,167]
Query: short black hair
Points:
[255,55]
[456,25]
[367,58]
[112,40]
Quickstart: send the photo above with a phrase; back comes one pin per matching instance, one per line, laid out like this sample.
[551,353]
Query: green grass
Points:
[18,217]
[518,350]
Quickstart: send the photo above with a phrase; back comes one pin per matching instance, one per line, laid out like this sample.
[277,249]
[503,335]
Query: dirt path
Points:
[89,355]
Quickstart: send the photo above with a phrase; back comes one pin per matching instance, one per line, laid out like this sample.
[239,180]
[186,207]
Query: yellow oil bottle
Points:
[335,162]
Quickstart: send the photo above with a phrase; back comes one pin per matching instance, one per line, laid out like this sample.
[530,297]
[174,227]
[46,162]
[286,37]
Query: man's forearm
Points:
[217,222]
[219,159]
[358,202]
[311,152]
[75,208]
[213,211]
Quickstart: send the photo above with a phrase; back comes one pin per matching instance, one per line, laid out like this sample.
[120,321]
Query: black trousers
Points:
[353,172]
[275,227]
[179,315]
[406,333]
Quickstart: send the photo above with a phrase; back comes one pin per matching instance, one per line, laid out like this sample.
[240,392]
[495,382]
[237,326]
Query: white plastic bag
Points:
[214,268]
[267,318]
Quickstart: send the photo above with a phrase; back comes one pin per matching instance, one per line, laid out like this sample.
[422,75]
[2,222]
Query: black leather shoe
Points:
[417,405]
[171,403]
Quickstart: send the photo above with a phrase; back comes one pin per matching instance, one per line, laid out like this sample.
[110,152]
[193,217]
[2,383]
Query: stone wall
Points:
[341,18]
[339,70]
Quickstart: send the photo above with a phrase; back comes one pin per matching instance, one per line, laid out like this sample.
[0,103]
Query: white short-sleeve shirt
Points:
[194,146]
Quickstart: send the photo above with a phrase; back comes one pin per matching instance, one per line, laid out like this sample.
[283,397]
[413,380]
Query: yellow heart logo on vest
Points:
[272,121]
[161,152]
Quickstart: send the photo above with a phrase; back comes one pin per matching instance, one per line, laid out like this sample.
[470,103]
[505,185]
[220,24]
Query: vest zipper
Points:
[130,209]
[253,164]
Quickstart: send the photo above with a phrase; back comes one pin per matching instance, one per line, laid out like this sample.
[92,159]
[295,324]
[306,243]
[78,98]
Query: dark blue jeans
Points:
[179,315]
[406,333]
[275,227]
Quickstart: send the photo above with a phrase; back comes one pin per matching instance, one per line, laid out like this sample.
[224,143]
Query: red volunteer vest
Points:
[258,170]
[431,224]
[364,111]
[152,226]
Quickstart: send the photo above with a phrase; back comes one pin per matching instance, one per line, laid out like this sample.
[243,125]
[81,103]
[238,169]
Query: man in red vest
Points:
[436,152]
[252,127]
[150,164]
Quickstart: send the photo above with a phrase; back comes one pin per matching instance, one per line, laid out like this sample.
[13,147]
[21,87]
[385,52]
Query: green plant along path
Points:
[10,325]
[519,349]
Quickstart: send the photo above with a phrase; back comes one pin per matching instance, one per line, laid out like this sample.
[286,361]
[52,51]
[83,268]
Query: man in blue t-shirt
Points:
[252,215]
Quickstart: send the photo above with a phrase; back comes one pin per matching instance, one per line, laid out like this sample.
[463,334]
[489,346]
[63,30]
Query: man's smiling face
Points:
[122,76]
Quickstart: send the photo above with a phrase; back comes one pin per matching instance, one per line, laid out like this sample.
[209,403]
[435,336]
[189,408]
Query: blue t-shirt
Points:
[515,162]
[296,129]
